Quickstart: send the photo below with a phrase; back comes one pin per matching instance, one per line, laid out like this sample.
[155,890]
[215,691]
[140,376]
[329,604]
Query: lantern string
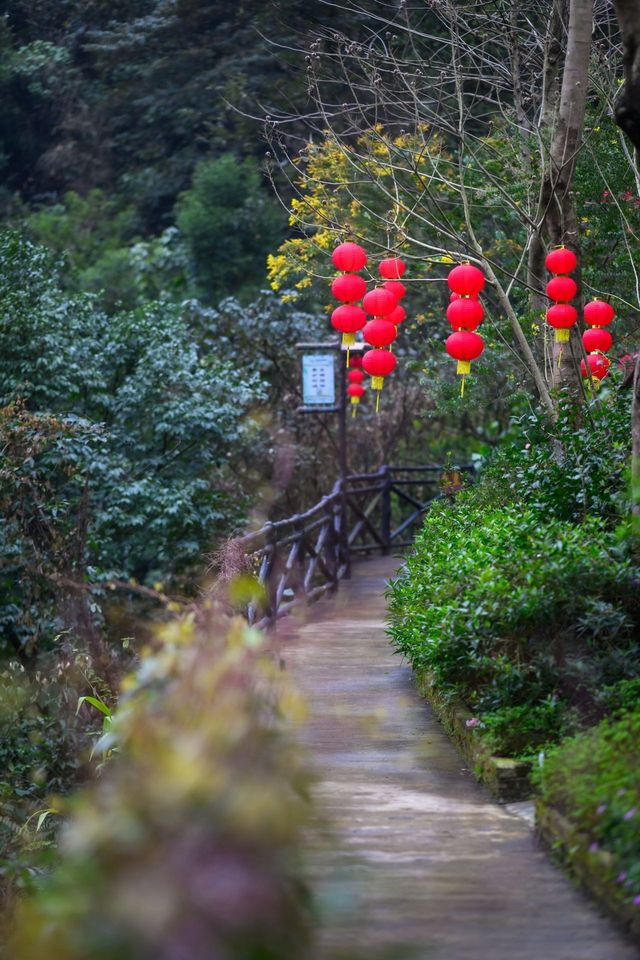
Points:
[347,357]
[462,387]
[378,402]
[353,412]
[560,352]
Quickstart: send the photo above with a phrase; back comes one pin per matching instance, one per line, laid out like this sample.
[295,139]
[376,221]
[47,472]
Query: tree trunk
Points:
[627,110]
[559,221]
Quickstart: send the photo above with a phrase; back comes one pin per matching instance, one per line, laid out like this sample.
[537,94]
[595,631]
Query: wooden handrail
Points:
[301,558]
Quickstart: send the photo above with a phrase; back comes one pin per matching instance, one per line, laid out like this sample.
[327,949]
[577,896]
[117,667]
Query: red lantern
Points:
[348,319]
[392,268]
[599,366]
[355,391]
[597,340]
[349,257]
[396,288]
[378,364]
[355,361]
[348,287]
[561,261]
[598,313]
[466,280]
[562,289]
[562,317]
[465,314]
[355,376]
[398,315]
[379,332]
[379,302]
[464,347]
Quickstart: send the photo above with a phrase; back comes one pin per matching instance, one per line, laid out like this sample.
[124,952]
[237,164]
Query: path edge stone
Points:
[507,780]
[594,871]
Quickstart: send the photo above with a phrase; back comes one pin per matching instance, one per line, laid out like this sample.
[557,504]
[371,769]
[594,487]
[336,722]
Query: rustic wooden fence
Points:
[300,559]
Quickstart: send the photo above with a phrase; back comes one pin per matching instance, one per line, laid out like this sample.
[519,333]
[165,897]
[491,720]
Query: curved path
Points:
[420,863]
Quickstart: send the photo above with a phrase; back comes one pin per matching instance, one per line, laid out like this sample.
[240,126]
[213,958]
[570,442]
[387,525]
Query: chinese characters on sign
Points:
[318,379]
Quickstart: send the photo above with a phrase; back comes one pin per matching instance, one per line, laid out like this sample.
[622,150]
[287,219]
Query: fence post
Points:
[272,574]
[386,510]
[343,529]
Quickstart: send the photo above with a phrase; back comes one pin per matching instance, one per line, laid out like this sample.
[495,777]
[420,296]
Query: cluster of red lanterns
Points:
[561,288]
[562,316]
[381,305]
[465,313]
[355,390]
[349,287]
[597,340]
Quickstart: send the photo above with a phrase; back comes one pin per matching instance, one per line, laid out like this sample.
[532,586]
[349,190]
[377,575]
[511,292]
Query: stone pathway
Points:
[420,863]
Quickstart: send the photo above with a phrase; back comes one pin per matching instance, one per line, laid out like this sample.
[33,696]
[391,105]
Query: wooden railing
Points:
[299,559]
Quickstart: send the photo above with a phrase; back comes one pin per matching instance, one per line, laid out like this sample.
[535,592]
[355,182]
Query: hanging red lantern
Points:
[392,268]
[599,366]
[355,376]
[379,302]
[598,313]
[464,347]
[562,317]
[348,287]
[398,315]
[348,319]
[349,257]
[379,332]
[562,289]
[355,361]
[396,288]
[355,391]
[466,280]
[561,260]
[378,364]
[465,314]
[597,340]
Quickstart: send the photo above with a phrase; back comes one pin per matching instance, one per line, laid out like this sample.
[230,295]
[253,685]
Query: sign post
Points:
[319,396]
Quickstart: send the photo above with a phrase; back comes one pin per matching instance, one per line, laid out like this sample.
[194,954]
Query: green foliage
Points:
[191,838]
[230,223]
[593,779]
[521,595]
[571,469]
[128,472]
[522,731]
[490,599]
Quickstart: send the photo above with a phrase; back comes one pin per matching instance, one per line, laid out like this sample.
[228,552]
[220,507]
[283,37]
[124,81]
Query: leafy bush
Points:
[230,223]
[575,468]
[522,731]
[189,843]
[495,603]
[592,779]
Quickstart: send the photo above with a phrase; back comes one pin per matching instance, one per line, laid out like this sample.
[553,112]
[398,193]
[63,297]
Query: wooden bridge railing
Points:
[299,559]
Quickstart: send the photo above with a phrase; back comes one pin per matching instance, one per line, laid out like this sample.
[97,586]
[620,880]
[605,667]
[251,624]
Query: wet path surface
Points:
[421,863]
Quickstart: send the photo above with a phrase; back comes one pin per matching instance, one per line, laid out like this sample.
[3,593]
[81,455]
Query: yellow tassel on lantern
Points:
[377,383]
[563,335]
[354,405]
[464,367]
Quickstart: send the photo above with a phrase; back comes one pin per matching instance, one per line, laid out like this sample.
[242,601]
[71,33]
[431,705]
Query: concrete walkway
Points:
[420,864]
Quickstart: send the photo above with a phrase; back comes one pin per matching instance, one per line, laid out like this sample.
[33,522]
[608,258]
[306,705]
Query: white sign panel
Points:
[318,379]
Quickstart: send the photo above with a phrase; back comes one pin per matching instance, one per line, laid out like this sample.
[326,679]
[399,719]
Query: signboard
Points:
[318,379]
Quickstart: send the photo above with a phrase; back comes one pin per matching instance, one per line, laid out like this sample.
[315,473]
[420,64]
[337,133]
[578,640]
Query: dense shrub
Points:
[188,845]
[122,436]
[569,470]
[592,779]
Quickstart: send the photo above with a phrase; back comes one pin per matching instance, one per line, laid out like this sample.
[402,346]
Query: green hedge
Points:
[593,779]
[510,609]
